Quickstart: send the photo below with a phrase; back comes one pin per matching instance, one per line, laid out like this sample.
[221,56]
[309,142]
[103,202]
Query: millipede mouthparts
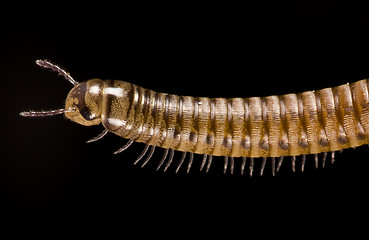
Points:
[268,128]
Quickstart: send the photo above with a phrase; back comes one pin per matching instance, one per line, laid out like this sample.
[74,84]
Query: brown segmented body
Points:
[311,122]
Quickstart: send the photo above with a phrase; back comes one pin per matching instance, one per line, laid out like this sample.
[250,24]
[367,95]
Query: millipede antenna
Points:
[55,68]
[45,113]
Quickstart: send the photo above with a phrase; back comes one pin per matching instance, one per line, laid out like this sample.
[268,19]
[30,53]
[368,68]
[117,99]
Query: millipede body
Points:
[311,122]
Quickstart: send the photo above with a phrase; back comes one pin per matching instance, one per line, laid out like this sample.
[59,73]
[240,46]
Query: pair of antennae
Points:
[62,72]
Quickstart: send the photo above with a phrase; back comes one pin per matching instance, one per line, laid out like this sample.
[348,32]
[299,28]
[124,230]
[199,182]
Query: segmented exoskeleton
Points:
[271,127]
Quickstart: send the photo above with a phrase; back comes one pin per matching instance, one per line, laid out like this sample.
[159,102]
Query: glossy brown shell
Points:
[310,122]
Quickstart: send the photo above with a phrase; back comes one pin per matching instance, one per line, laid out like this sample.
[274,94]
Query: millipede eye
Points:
[86,114]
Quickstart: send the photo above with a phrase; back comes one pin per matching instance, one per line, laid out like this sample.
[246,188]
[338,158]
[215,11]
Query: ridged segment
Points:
[292,123]
[346,115]
[203,105]
[237,126]
[360,98]
[220,131]
[255,126]
[274,124]
[330,118]
[311,121]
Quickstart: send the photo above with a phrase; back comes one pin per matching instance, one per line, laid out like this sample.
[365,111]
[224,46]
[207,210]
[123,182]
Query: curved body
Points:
[311,122]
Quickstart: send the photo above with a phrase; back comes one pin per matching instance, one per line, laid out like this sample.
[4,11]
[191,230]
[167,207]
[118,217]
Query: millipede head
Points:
[83,103]
[86,100]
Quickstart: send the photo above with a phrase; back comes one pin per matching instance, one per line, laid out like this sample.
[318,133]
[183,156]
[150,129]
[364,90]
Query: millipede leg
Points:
[128,144]
[232,165]
[181,161]
[204,158]
[333,156]
[243,165]
[293,163]
[225,164]
[190,162]
[98,137]
[251,166]
[324,158]
[210,160]
[171,155]
[263,162]
[273,166]
[303,160]
[163,158]
[142,154]
[316,159]
[280,163]
[149,156]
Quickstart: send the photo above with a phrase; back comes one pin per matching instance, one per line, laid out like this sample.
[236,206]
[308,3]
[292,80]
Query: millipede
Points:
[268,128]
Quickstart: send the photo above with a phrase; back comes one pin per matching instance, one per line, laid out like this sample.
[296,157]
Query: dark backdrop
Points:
[47,169]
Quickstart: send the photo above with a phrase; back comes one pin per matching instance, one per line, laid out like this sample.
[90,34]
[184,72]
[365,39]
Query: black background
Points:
[48,170]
